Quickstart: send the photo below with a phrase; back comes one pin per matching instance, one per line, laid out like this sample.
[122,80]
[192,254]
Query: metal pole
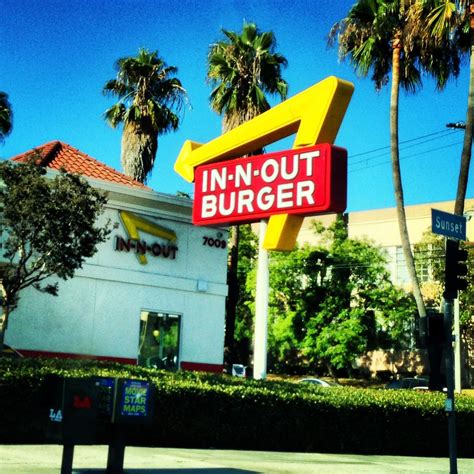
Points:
[261,308]
[116,452]
[457,348]
[449,405]
[67,459]
[115,457]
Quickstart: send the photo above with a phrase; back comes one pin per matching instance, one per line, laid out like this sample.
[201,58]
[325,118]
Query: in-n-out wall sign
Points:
[284,185]
[133,224]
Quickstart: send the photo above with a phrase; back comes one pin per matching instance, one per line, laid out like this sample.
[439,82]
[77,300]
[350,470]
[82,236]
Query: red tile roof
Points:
[57,155]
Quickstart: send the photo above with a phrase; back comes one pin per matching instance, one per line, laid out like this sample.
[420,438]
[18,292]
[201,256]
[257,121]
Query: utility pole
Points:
[455,270]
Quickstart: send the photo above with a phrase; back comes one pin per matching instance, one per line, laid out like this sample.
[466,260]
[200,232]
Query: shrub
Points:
[196,410]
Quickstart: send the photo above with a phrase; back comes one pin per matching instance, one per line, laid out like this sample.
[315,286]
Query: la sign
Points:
[301,181]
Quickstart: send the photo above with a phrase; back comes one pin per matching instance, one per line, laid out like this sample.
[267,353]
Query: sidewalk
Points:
[34,459]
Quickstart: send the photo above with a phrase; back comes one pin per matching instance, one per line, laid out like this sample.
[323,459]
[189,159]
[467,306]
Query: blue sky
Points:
[56,55]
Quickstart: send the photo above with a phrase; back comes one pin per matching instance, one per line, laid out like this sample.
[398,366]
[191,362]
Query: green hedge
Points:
[198,410]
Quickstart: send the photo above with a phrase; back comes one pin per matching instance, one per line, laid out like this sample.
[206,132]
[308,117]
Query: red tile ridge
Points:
[57,154]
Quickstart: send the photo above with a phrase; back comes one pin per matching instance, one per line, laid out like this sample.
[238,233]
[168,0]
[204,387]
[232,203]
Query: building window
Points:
[423,264]
[159,340]
[402,276]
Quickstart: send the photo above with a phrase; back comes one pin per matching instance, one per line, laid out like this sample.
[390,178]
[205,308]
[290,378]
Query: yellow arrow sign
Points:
[133,224]
[315,115]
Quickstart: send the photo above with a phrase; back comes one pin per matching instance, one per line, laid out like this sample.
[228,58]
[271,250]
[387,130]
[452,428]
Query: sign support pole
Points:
[449,406]
[67,459]
[457,348]
[261,308]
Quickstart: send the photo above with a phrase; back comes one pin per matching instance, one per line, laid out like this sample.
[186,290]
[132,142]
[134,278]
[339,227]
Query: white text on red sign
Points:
[305,181]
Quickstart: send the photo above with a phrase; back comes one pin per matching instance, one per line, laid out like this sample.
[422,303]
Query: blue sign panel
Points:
[449,225]
[135,398]
[105,396]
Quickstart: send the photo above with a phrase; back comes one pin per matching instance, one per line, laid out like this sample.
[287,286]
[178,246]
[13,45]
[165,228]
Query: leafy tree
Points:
[466,298]
[388,39]
[287,307]
[242,69]
[430,253]
[429,260]
[6,116]
[453,22]
[150,100]
[330,303]
[352,299]
[466,316]
[243,329]
[48,228]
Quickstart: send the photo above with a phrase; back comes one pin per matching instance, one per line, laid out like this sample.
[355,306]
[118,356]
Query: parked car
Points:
[414,383]
[318,382]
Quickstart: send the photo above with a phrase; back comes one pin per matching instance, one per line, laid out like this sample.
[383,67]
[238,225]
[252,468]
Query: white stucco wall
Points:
[98,311]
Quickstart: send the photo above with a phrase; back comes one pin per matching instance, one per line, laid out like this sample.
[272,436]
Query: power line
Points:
[444,131]
[406,157]
[402,148]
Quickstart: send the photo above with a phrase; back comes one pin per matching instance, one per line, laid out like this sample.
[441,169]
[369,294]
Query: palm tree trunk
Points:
[139,147]
[467,145]
[397,180]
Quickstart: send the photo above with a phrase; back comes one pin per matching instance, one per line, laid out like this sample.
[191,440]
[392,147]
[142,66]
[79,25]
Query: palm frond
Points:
[116,88]
[242,68]
[439,20]
[6,116]
[363,56]
[249,33]
[410,78]
[421,28]
[266,41]
[259,100]
[115,115]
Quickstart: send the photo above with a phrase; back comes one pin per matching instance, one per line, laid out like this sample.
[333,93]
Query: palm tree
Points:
[242,69]
[386,38]
[150,100]
[453,21]
[6,116]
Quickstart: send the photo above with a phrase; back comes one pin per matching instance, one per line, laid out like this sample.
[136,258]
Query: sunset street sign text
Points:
[304,181]
[449,225]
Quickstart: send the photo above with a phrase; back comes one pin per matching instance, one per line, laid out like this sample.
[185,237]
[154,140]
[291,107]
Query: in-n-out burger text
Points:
[248,200]
[302,181]
[141,247]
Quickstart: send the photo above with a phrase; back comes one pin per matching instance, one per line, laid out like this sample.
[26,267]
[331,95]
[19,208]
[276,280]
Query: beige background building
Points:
[381,226]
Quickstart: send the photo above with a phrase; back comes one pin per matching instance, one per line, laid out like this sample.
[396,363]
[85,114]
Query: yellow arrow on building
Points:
[134,223]
[315,115]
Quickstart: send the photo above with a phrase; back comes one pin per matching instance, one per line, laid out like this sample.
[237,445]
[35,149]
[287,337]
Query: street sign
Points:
[302,181]
[449,225]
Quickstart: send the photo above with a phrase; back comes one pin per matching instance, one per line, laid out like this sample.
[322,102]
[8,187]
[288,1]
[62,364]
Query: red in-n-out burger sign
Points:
[303,181]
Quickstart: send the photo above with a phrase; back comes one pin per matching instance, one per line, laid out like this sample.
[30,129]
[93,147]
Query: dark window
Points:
[159,340]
